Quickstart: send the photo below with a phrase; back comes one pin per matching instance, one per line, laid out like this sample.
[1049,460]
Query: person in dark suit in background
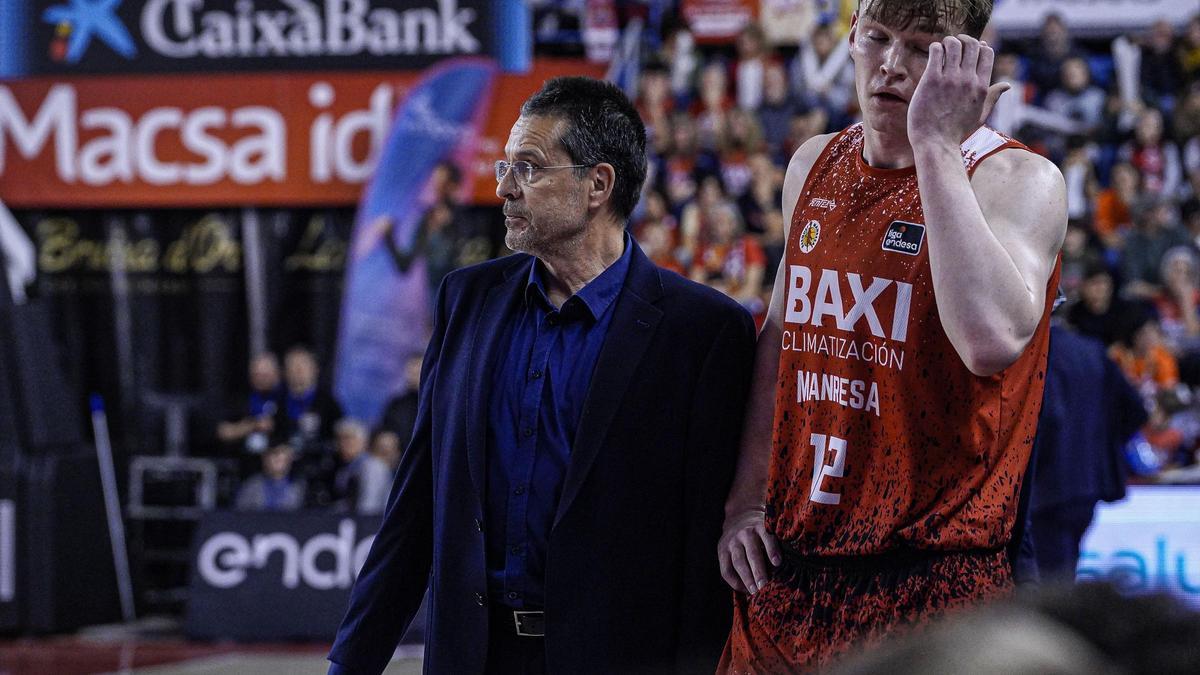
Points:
[577,426]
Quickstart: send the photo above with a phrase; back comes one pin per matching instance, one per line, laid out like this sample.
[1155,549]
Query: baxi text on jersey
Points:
[848,393]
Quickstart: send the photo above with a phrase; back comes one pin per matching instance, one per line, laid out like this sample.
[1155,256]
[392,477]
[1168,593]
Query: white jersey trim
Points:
[981,143]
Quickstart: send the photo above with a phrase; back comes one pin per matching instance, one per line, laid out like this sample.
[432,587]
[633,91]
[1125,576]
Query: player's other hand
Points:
[747,550]
[953,97]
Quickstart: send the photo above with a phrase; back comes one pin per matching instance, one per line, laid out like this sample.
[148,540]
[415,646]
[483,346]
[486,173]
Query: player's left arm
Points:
[993,238]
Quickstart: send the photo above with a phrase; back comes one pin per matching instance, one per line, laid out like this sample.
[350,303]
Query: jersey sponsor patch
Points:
[809,236]
[904,237]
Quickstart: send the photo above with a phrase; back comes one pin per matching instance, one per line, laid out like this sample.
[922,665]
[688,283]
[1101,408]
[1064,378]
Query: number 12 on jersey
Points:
[823,467]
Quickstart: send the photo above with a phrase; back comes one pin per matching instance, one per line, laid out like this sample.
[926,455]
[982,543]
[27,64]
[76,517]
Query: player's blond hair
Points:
[933,16]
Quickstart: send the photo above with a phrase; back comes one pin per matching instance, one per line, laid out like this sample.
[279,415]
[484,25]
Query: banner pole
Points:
[112,507]
[256,304]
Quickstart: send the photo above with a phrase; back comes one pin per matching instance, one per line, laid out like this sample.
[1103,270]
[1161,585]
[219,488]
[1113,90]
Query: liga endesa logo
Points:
[324,562]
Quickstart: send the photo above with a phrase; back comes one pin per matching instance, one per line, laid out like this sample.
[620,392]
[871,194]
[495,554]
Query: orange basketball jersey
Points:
[882,437]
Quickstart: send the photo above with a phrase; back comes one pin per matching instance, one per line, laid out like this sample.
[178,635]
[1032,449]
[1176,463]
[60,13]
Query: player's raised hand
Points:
[953,97]
[747,551]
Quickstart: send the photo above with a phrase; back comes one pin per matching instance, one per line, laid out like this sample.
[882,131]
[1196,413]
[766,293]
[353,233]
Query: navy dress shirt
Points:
[538,392]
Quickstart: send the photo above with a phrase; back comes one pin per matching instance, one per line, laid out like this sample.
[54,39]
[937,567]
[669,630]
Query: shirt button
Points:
[536,374]
[512,595]
[515,550]
[478,525]
[552,320]
[527,432]
[519,491]
[480,600]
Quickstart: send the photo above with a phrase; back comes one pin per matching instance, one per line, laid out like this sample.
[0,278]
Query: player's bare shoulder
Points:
[1023,190]
[797,173]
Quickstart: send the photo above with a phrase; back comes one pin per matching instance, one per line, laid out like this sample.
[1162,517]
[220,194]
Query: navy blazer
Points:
[632,581]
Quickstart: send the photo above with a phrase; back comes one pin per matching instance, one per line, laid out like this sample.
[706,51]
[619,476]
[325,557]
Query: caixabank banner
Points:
[75,37]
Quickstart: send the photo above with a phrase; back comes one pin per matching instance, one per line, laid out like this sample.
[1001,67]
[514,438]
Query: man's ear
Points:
[600,188]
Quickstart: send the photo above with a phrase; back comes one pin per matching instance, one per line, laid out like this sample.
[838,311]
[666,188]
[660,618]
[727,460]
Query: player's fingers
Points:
[758,564]
[994,93]
[987,58]
[970,53]
[937,58]
[728,573]
[954,50]
[772,547]
[742,567]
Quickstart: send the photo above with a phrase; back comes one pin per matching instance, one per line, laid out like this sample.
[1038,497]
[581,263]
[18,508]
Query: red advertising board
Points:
[279,139]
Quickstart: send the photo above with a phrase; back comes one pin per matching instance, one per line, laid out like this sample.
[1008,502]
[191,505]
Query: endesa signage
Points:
[281,139]
[1150,541]
[271,576]
[131,36]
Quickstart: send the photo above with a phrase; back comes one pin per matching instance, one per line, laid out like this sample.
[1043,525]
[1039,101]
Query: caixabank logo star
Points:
[77,23]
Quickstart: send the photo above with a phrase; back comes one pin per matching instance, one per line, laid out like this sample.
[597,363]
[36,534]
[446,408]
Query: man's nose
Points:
[508,188]
[893,61]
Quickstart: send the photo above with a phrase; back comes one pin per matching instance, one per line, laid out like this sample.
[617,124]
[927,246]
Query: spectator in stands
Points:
[822,74]
[1080,254]
[655,240]
[362,481]
[1080,175]
[1162,74]
[307,412]
[1077,98]
[1141,353]
[711,109]
[249,422]
[1098,309]
[749,70]
[804,126]
[731,260]
[1189,50]
[1178,300]
[685,164]
[695,222]
[1155,232]
[763,197]
[1114,205]
[776,112]
[274,489]
[1049,54]
[654,101]
[400,414]
[387,447]
[1186,125]
[1155,158]
[742,138]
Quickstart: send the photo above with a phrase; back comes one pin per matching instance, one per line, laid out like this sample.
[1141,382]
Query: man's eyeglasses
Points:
[524,170]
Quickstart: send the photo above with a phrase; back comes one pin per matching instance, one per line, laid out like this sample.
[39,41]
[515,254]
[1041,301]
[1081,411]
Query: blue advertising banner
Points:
[1149,541]
[75,37]
[386,312]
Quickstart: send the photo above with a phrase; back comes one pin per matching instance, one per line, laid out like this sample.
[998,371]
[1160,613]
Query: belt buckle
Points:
[530,623]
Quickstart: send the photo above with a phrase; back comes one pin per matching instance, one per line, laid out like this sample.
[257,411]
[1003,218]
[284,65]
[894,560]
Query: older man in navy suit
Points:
[577,426]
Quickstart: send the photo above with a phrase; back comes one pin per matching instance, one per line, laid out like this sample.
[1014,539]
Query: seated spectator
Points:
[1077,98]
[730,260]
[822,74]
[1156,159]
[1098,310]
[1155,232]
[1189,50]
[1186,125]
[1142,355]
[400,414]
[655,240]
[749,70]
[712,106]
[803,127]
[1080,254]
[307,411]
[654,102]
[742,138]
[1162,74]
[249,422]
[764,194]
[274,489]
[1114,204]
[1049,54]
[1178,299]
[361,482]
[694,222]
[1080,174]
[387,447]
[684,165]
[776,112]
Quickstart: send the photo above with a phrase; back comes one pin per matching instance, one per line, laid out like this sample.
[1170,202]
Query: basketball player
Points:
[899,374]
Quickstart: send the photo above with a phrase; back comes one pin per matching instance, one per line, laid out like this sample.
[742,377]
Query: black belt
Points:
[525,622]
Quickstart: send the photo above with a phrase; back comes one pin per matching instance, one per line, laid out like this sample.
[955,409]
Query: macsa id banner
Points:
[386,306]
[1149,541]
